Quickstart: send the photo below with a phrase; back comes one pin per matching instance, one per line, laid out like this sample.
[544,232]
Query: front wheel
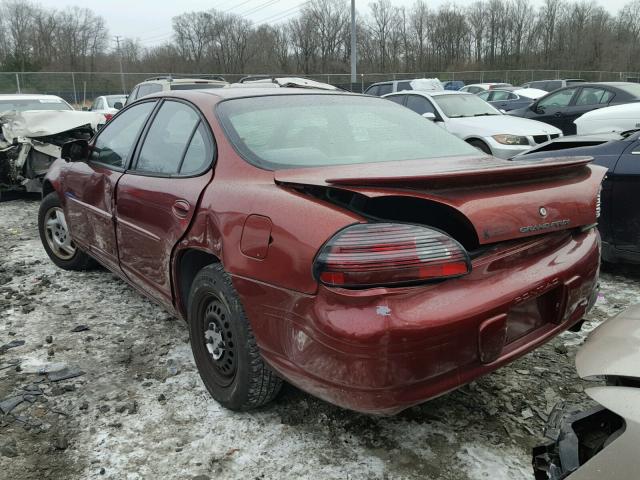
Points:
[56,238]
[224,348]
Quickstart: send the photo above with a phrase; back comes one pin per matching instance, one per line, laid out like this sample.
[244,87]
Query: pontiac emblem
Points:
[543,212]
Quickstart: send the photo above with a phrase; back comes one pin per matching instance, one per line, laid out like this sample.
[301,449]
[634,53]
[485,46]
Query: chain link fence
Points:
[80,88]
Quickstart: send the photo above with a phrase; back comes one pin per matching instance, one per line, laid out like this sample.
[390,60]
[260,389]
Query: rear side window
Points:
[200,152]
[553,85]
[396,98]
[485,95]
[404,86]
[385,88]
[167,139]
[117,139]
[501,95]
[593,96]
[149,88]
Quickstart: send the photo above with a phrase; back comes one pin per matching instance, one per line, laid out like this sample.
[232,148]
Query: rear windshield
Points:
[286,131]
[34,104]
[632,89]
[195,86]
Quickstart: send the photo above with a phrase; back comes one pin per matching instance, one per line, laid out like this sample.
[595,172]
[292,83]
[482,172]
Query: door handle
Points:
[181,208]
[557,114]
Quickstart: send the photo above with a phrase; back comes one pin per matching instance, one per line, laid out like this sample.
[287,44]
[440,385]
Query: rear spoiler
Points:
[433,173]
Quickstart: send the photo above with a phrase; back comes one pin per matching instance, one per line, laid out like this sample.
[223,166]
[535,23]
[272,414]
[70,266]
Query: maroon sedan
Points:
[337,241]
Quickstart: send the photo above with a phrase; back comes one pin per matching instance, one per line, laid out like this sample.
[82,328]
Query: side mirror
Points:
[429,116]
[75,151]
[118,105]
[85,109]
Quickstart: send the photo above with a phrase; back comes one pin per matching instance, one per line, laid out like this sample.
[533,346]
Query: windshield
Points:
[285,131]
[456,106]
[112,100]
[33,104]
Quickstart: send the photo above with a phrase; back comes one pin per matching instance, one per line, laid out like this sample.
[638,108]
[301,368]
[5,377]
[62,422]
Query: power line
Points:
[285,13]
[262,6]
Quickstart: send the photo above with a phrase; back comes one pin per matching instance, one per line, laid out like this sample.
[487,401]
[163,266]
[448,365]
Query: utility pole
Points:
[353,42]
[117,37]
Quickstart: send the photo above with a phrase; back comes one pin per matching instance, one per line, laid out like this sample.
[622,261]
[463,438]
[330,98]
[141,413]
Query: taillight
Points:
[108,116]
[380,254]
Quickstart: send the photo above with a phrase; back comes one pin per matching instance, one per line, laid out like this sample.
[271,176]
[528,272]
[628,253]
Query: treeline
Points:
[486,34]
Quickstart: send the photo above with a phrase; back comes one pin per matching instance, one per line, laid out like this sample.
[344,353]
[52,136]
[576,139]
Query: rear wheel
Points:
[480,145]
[56,238]
[224,348]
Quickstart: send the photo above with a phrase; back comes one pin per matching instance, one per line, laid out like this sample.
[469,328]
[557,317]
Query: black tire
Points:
[480,145]
[238,378]
[78,260]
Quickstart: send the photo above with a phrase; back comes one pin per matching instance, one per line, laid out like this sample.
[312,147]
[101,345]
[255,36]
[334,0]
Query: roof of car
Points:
[226,93]
[27,96]
[431,93]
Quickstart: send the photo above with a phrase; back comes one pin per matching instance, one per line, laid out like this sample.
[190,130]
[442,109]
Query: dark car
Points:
[453,85]
[505,98]
[562,107]
[329,239]
[619,223]
[552,85]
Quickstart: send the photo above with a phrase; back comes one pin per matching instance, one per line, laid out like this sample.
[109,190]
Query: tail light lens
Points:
[386,254]
[108,116]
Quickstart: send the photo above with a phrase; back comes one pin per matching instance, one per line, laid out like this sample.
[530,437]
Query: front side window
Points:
[372,90]
[117,139]
[485,95]
[311,130]
[557,100]
[167,139]
[385,88]
[419,104]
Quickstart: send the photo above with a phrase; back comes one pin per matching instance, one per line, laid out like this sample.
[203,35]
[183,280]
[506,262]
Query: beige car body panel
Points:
[613,349]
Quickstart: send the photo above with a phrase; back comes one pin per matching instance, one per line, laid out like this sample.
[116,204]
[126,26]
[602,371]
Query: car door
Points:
[587,99]
[89,186]
[625,205]
[157,197]
[551,108]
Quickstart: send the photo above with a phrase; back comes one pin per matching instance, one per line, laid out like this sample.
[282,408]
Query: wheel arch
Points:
[187,265]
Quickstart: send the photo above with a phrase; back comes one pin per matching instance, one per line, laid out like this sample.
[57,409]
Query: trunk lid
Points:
[503,200]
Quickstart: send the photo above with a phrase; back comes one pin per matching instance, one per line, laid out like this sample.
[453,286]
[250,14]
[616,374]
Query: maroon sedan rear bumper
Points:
[383,350]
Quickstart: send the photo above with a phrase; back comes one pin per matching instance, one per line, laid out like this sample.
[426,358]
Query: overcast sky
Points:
[150,20]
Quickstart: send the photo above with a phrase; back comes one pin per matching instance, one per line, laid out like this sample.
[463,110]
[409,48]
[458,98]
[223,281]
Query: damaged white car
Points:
[32,130]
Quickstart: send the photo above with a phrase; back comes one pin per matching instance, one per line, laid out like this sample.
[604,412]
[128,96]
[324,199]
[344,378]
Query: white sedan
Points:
[618,118]
[472,119]
[108,105]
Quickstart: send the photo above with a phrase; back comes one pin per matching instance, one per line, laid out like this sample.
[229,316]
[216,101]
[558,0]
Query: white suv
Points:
[165,84]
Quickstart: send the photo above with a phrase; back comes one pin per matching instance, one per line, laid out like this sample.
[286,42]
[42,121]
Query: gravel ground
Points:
[137,408]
